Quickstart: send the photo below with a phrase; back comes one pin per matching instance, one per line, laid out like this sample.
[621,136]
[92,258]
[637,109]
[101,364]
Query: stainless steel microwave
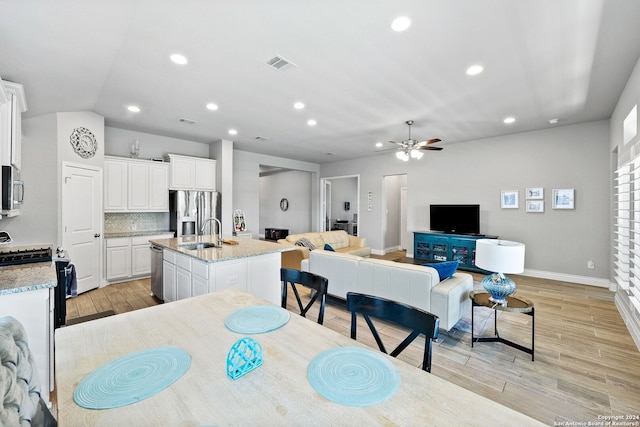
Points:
[12,191]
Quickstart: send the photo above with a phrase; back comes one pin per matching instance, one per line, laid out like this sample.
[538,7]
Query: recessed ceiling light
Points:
[312,122]
[178,59]
[553,121]
[475,70]
[233,132]
[298,105]
[211,106]
[509,120]
[379,144]
[133,108]
[401,23]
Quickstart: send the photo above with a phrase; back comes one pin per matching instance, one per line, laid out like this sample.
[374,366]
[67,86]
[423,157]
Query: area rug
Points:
[483,317]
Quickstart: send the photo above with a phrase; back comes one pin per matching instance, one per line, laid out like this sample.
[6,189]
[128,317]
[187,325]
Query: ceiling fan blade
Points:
[428,141]
[398,143]
[430,148]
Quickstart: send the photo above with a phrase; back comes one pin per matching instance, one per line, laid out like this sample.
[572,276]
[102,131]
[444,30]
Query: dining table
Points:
[279,391]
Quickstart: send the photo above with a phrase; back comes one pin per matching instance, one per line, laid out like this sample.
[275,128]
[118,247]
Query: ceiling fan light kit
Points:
[410,148]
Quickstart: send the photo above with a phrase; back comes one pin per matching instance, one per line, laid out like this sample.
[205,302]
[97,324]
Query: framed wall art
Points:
[509,199]
[535,206]
[562,198]
[535,193]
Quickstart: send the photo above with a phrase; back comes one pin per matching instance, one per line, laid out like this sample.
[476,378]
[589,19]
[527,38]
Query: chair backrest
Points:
[318,284]
[419,321]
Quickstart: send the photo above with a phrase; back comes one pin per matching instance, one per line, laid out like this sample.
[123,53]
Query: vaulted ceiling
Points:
[358,79]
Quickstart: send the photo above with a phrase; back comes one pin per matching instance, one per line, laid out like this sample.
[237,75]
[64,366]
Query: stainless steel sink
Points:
[198,246]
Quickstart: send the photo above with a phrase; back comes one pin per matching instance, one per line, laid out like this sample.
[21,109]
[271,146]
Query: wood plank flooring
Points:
[586,364]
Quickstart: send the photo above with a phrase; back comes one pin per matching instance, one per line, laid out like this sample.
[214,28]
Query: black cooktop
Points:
[25,256]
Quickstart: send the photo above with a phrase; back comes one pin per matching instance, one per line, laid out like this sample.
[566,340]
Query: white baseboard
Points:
[573,278]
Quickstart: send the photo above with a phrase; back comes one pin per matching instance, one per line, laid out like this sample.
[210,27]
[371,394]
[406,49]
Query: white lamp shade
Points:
[500,256]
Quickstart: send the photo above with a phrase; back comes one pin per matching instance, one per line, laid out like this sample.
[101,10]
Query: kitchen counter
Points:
[134,233]
[243,249]
[27,277]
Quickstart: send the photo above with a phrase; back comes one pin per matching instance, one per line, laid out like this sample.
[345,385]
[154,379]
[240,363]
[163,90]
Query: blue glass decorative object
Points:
[499,286]
[245,356]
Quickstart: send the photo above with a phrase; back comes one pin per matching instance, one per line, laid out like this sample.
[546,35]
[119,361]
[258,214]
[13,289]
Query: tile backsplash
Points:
[135,221]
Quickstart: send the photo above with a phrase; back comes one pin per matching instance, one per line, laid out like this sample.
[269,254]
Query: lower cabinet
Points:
[437,247]
[185,276]
[128,257]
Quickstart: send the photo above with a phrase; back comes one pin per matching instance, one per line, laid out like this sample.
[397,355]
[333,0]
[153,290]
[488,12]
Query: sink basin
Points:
[198,246]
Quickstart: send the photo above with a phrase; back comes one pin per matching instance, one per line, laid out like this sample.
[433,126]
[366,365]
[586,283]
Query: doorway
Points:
[82,221]
[394,212]
[340,200]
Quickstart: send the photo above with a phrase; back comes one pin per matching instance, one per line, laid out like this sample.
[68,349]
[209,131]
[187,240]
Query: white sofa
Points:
[414,285]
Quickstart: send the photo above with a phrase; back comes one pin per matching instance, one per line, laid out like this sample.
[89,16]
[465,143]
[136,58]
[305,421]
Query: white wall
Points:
[118,143]
[295,186]
[558,241]
[343,190]
[391,197]
[246,189]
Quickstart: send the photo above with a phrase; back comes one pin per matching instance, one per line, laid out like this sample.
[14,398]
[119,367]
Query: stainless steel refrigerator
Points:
[188,210]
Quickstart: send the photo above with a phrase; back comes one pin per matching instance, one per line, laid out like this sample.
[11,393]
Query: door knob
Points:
[96,235]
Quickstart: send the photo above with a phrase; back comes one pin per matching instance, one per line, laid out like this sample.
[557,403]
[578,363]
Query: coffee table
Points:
[515,305]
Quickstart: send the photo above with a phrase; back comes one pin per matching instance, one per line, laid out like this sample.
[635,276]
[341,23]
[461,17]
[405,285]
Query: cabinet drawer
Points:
[118,242]
[140,240]
[169,256]
[200,268]
[183,261]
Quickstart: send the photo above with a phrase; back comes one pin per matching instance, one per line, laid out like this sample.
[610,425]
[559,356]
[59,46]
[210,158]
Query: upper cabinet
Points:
[191,173]
[135,185]
[12,105]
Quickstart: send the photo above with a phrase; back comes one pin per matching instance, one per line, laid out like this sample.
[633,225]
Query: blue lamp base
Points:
[499,286]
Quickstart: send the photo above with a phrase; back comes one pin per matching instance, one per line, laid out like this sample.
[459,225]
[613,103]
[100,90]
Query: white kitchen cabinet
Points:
[118,258]
[168,280]
[191,173]
[130,256]
[12,105]
[115,185]
[158,193]
[136,185]
[230,274]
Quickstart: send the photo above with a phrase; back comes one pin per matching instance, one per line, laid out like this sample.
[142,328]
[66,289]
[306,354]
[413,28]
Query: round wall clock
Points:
[284,205]
[83,142]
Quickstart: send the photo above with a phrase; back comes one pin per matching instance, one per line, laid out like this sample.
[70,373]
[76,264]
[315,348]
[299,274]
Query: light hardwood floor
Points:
[586,364]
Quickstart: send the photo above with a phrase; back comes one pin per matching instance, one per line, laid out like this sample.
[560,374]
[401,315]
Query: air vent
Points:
[187,121]
[279,63]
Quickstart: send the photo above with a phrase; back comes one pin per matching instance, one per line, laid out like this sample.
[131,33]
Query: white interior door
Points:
[82,222]
[403,218]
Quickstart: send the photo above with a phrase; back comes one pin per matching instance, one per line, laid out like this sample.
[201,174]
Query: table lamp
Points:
[500,257]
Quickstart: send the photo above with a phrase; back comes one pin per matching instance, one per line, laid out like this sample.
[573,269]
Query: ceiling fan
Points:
[411,148]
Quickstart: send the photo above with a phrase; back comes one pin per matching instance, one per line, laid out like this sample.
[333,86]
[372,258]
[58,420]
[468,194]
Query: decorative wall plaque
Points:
[83,142]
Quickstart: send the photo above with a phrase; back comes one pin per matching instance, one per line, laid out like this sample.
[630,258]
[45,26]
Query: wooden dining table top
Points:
[275,393]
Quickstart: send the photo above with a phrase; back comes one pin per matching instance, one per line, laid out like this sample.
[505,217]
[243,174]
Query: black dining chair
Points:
[317,284]
[419,321]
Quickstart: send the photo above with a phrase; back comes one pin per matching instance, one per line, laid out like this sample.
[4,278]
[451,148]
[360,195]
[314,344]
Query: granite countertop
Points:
[27,277]
[135,233]
[245,248]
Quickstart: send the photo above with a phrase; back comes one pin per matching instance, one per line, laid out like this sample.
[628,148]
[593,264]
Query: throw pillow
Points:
[445,269]
[306,243]
[327,247]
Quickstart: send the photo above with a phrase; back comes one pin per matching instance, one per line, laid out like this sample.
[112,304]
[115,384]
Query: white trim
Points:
[632,325]
[573,278]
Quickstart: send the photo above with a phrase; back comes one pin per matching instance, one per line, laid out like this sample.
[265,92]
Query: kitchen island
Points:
[190,268]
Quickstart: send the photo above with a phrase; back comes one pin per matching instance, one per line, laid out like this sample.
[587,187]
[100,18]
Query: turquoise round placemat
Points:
[257,319]
[131,378]
[353,376]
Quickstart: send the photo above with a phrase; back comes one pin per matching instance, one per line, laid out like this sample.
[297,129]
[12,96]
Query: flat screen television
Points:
[459,219]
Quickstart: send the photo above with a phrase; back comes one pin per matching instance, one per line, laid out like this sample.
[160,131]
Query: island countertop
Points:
[242,248]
